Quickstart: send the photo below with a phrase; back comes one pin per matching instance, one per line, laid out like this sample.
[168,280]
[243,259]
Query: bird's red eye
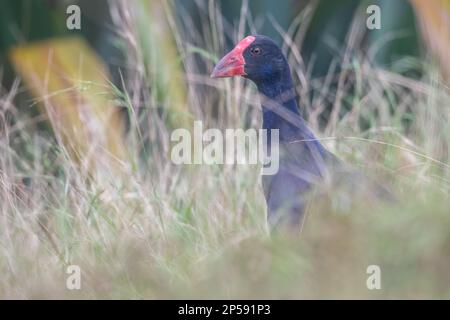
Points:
[255,50]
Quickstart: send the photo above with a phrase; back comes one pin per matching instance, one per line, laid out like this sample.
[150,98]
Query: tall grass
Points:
[167,231]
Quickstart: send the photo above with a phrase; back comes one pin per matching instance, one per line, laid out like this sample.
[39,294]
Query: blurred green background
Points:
[321,29]
[25,20]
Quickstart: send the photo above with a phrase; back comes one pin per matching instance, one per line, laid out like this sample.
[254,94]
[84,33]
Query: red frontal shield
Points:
[233,63]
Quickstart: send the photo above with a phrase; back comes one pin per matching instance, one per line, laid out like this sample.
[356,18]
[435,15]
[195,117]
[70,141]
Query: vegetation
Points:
[164,231]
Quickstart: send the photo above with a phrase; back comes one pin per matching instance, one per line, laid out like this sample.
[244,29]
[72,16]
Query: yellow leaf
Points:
[70,84]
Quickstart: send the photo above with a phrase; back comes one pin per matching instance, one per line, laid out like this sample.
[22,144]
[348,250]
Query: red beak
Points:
[233,64]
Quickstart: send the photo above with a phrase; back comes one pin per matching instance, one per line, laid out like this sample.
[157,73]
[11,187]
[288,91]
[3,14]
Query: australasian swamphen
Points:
[304,162]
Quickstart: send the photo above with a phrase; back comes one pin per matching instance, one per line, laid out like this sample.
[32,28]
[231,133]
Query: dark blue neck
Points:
[279,93]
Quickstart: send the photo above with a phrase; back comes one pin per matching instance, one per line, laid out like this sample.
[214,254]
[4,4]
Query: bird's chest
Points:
[292,167]
[299,168]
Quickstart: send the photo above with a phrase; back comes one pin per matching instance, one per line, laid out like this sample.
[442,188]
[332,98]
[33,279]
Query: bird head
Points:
[257,58]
